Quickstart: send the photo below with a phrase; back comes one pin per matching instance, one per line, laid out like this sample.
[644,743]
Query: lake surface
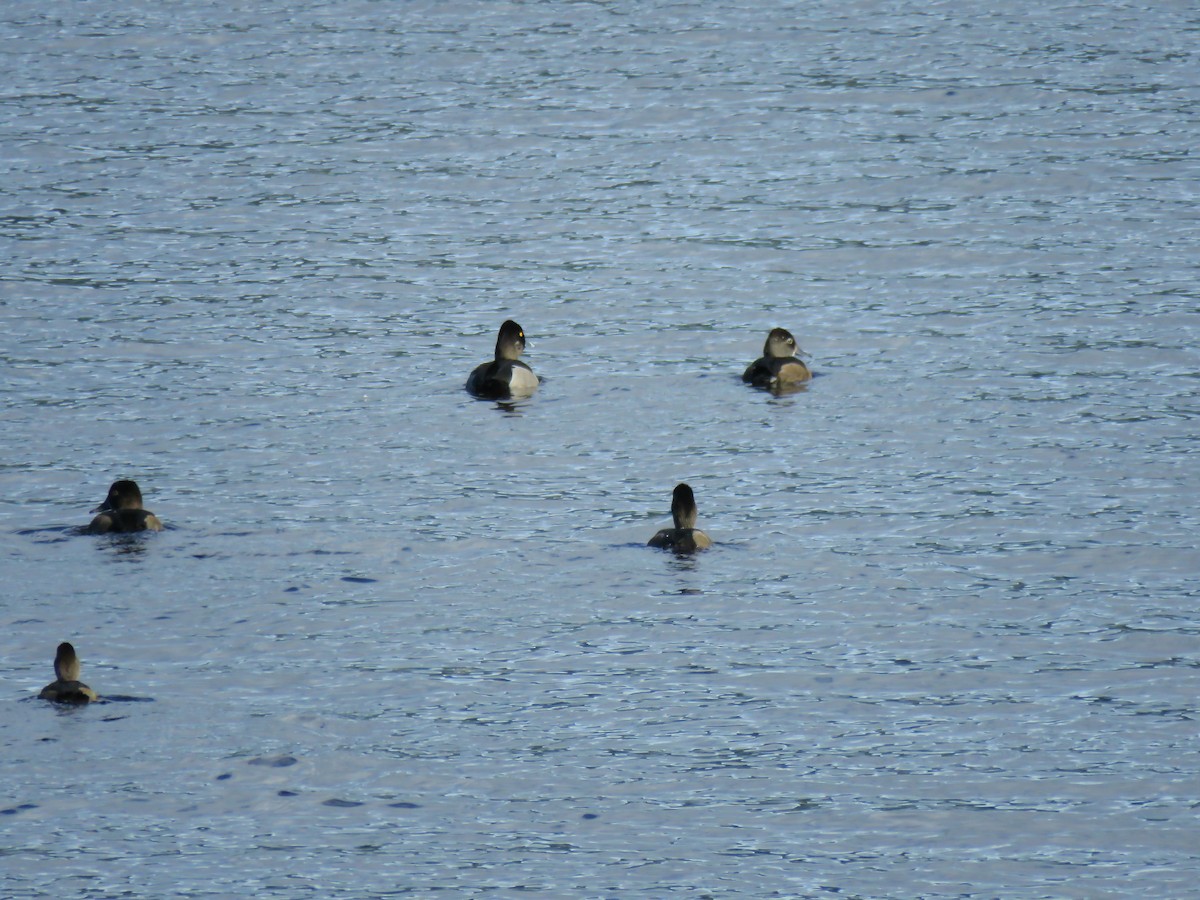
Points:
[399,641]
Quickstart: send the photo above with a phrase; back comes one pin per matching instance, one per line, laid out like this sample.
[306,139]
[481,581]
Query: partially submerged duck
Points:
[67,688]
[122,511]
[779,366]
[685,537]
[506,375]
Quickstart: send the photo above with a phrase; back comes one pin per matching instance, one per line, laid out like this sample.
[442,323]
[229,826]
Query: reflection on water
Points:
[947,630]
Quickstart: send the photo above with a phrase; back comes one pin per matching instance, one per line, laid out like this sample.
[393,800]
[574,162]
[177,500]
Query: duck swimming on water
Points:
[685,537]
[122,511]
[67,688]
[778,367]
[506,375]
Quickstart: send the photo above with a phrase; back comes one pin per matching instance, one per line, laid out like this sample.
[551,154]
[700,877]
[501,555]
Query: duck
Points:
[685,537]
[67,688]
[122,511]
[778,367]
[506,375]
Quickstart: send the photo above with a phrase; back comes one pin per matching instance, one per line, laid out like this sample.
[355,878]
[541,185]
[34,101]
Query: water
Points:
[399,641]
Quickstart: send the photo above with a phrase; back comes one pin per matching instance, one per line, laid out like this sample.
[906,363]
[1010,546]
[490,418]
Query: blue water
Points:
[399,641]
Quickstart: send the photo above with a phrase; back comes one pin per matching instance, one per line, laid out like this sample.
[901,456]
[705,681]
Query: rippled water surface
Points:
[396,640]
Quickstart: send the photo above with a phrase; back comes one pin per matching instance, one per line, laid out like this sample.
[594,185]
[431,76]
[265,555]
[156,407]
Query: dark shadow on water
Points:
[125,544]
[125,698]
[512,407]
[19,808]
[278,761]
[120,543]
[55,533]
[717,545]
[52,535]
[102,700]
[683,562]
